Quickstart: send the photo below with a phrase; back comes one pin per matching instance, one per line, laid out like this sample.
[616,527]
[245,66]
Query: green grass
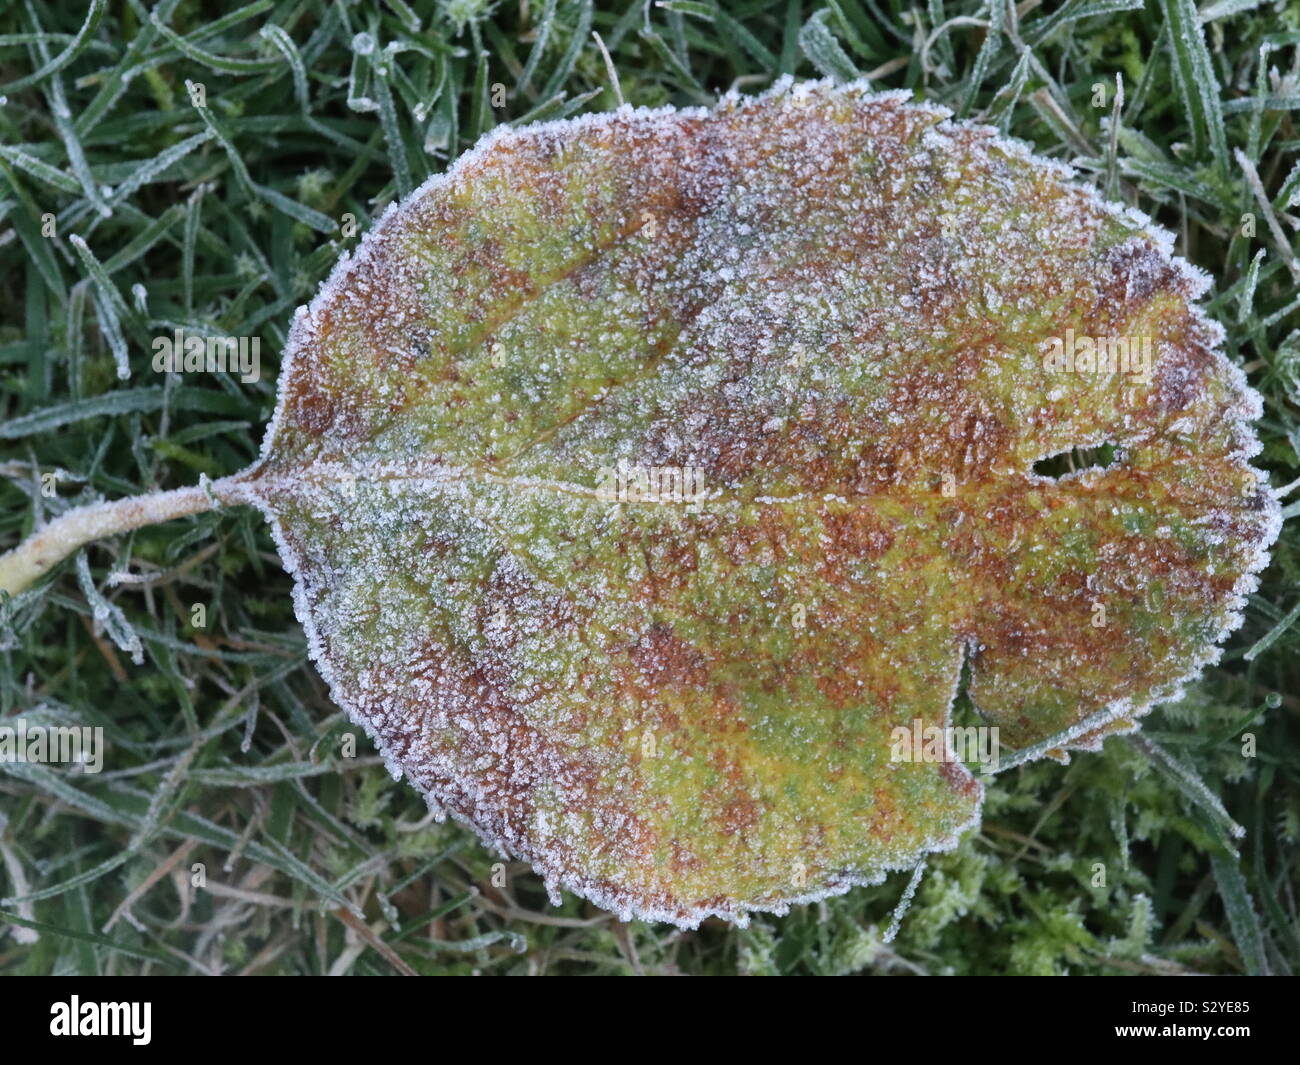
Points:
[226,750]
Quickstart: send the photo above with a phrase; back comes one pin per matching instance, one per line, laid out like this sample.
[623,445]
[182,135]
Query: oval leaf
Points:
[648,477]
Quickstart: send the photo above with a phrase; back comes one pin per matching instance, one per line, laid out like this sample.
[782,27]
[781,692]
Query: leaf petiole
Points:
[48,546]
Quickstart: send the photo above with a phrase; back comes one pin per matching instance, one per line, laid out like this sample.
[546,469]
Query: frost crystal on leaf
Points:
[644,473]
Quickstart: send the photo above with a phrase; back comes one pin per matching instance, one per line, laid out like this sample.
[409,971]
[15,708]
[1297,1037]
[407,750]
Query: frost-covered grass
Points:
[226,749]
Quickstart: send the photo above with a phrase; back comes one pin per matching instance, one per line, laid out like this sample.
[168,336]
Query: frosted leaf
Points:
[643,474]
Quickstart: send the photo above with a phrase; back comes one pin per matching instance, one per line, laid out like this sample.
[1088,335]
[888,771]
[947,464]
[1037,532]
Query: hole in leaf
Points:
[961,704]
[1102,456]
[964,712]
